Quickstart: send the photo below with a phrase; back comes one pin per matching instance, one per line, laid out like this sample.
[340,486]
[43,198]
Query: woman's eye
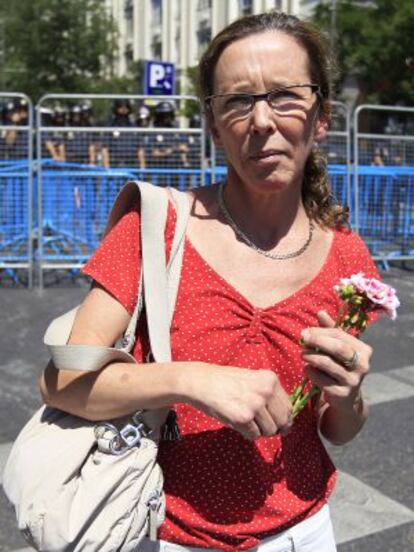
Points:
[234,102]
[284,95]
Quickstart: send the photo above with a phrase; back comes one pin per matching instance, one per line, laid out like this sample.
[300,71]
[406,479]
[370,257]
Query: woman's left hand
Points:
[337,362]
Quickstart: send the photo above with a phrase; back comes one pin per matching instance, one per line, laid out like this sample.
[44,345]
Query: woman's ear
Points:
[321,128]
[215,134]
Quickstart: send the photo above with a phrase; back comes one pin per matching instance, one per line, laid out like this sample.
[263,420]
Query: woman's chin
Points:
[273,182]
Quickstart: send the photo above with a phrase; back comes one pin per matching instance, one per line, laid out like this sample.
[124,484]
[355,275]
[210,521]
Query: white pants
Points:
[314,534]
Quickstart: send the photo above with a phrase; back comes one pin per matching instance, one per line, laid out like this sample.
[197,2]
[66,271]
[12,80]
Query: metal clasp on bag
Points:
[116,441]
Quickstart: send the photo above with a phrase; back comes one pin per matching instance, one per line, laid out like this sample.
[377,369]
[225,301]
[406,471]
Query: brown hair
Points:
[317,195]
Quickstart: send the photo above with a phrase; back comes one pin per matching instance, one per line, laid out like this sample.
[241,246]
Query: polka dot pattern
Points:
[223,491]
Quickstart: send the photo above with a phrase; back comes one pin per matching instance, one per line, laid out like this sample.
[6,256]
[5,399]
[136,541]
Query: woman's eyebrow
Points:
[246,88]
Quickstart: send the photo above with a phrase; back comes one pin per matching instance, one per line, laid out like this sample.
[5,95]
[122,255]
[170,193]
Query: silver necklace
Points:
[249,242]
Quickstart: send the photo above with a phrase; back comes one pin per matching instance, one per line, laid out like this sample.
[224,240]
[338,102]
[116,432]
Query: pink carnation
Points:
[381,295]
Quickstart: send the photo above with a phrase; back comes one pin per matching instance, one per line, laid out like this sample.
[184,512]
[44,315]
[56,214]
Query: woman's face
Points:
[266,148]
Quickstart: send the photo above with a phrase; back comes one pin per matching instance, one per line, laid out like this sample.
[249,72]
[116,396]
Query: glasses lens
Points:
[291,99]
[232,104]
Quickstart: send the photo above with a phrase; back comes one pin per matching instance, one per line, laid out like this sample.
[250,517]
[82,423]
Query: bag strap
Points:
[158,281]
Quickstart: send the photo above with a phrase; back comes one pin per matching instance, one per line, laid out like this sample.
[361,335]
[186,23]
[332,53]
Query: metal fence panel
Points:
[384,181]
[82,168]
[16,147]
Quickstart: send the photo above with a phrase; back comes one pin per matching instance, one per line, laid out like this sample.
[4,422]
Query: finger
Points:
[280,409]
[329,389]
[328,385]
[340,351]
[265,423]
[336,342]
[325,320]
[249,431]
[337,374]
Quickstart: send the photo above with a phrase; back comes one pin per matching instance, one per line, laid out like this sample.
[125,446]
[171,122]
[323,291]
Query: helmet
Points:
[144,112]
[10,113]
[164,113]
[46,116]
[195,120]
[75,115]
[22,106]
[59,115]
[121,103]
[164,107]
[86,112]
[21,103]
[143,116]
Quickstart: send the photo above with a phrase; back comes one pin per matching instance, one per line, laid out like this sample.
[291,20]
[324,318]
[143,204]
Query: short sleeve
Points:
[116,264]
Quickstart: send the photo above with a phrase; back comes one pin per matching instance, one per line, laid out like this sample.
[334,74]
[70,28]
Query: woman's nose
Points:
[263,118]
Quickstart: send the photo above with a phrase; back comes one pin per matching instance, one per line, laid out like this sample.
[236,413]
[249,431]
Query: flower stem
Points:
[300,402]
[298,391]
[297,398]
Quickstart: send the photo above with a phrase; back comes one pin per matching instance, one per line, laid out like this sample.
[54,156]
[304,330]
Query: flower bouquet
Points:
[361,296]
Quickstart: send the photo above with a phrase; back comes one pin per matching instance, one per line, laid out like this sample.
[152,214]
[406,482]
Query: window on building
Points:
[156,12]
[278,4]
[156,48]
[129,17]
[203,36]
[177,40]
[246,7]
[203,5]
[177,11]
[129,56]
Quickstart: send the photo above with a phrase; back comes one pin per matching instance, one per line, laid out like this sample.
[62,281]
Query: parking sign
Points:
[159,78]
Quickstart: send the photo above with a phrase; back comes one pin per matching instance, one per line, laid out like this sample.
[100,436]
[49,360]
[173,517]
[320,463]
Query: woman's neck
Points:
[268,218]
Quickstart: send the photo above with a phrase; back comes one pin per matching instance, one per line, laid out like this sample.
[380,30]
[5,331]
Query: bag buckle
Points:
[116,441]
[131,435]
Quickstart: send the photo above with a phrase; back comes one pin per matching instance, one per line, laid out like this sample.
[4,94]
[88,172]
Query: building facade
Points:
[178,31]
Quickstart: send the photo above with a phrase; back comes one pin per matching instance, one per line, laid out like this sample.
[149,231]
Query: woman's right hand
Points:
[252,402]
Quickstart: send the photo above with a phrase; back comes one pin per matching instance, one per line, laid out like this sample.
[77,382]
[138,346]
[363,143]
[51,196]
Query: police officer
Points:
[164,146]
[143,116]
[122,145]
[13,144]
[143,121]
[122,113]
[77,141]
[55,140]
[22,107]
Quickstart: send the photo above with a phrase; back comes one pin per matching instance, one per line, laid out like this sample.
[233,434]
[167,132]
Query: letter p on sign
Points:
[156,76]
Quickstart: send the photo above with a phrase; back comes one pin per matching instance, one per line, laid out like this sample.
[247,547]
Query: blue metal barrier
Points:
[76,199]
[386,210]
[14,212]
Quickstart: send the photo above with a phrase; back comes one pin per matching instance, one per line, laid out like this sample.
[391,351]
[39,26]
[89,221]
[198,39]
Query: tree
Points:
[56,45]
[373,43]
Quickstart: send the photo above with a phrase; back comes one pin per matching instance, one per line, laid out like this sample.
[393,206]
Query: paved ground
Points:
[373,505]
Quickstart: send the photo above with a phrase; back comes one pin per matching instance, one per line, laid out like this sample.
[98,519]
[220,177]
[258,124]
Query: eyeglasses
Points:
[286,100]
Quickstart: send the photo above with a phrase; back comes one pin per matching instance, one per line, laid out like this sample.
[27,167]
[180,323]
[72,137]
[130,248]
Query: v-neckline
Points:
[276,304]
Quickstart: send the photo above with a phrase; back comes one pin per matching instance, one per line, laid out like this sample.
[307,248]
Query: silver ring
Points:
[351,363]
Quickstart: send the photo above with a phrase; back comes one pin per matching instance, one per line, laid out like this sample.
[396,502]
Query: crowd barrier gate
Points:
[82,168]
[16,185]
[75,193]
[384,184]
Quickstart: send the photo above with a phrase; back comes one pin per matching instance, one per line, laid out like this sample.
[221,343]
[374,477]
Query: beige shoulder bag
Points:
[82,486]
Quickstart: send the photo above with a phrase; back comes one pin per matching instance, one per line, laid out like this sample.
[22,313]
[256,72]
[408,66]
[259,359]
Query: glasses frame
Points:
[315,88]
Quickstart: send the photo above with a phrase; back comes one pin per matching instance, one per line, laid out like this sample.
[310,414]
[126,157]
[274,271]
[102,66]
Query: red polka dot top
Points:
[223,491]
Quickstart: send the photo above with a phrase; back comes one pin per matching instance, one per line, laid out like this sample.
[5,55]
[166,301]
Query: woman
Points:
[262,255]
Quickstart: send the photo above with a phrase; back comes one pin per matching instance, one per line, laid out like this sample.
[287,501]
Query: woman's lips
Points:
[266,155]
